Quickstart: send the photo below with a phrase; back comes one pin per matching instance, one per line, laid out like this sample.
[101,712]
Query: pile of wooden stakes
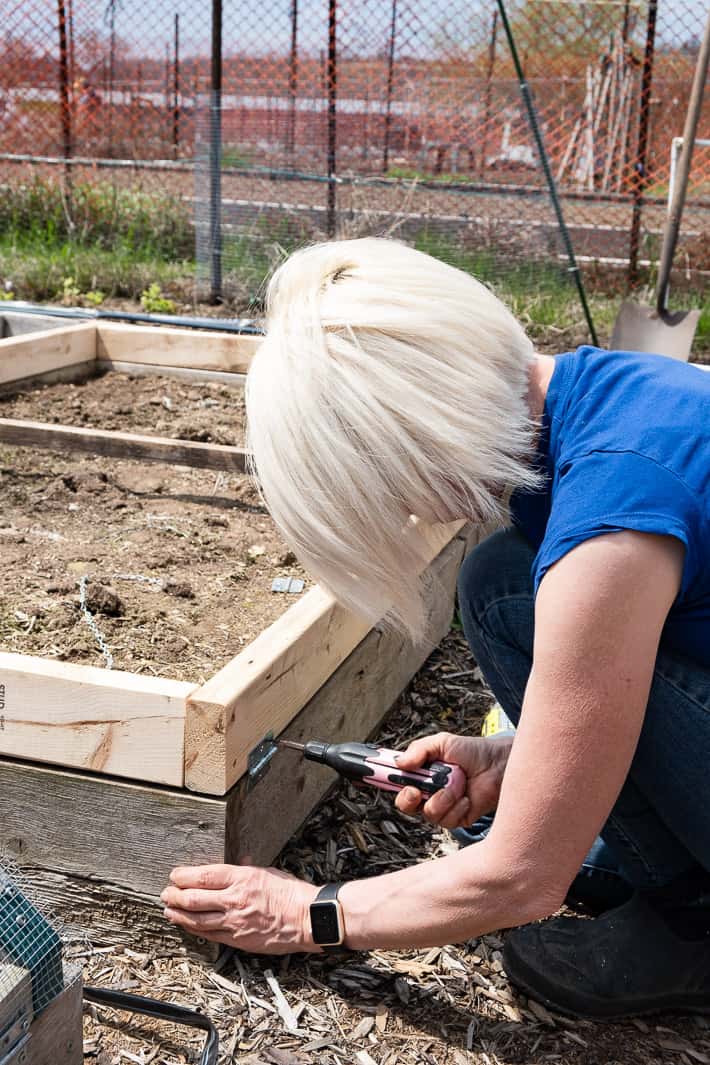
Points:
[596,155]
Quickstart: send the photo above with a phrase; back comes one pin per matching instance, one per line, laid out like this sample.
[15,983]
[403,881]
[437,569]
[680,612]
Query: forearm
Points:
[444,901]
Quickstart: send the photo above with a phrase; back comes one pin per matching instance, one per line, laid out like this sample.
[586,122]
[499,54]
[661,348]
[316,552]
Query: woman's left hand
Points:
[263,911]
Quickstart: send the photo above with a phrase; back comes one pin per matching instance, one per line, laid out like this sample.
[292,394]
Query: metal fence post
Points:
[64,92]
[332,90]
[215,157]
[640,177]
[292,80]
[176,89]
[390,80]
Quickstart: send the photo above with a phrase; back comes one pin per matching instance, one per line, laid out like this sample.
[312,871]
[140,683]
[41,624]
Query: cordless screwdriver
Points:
[365,763]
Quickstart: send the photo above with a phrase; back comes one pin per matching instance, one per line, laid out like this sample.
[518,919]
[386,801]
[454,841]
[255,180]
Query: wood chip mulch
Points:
[445,1006]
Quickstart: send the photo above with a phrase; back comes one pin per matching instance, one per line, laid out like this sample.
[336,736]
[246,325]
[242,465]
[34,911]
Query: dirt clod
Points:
[103,600]
[180,589]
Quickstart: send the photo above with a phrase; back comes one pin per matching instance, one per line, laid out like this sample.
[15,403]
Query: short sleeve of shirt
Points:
[607,491]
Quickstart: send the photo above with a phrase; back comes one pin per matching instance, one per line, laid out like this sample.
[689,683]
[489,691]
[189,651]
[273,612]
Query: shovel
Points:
[656,329]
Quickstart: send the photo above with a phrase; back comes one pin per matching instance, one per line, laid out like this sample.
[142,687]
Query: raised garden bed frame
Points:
[70,732]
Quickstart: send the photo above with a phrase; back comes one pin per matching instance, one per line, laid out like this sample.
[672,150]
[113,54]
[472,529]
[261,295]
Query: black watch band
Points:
[327,925]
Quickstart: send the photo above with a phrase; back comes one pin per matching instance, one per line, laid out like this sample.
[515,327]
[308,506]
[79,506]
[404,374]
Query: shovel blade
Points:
[640,328]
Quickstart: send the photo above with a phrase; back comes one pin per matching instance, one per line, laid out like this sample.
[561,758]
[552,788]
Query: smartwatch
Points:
[327,925]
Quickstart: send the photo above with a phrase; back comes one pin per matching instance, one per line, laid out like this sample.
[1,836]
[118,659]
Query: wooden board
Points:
[15,1004]
[129,835]
[69,438]
[37,353]
[15,323]
[181,373]
[56,1036]
[77,371]
[113,916]
[263,688]
[160,346]
[99,719]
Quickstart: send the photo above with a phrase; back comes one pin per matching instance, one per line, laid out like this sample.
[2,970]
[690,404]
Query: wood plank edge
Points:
[117,444]
[175,347]
[181,373]
[77,371]
[51,348]
[80,674]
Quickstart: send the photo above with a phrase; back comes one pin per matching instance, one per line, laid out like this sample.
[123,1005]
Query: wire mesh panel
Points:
[365,116]
[32,968]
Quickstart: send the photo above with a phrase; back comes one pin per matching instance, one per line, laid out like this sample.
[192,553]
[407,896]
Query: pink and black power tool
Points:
[365,763]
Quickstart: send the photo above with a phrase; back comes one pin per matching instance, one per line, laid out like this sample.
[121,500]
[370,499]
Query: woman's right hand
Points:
[482,760]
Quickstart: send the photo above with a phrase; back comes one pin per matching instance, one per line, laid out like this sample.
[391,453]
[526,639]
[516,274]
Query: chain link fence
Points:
[304,119]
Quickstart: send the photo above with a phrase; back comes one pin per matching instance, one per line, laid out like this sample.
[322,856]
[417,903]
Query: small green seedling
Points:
[154,302]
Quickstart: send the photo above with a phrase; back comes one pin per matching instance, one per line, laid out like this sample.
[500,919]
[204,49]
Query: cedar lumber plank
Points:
[56,1034]
[121,445]
[265,686]
[84,717]
[46,350]
[161,346]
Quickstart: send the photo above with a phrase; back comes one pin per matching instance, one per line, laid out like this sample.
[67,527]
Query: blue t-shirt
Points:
[625,444]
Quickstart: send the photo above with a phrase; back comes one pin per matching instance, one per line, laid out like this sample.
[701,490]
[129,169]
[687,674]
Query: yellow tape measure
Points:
[496,722]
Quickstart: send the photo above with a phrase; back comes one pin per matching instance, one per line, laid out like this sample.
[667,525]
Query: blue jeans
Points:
[659,827]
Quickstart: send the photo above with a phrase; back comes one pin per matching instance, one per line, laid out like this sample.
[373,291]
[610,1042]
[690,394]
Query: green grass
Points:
[36,269]
[101,238]
[114,242]
[539,294]
[233,155]
[544,299]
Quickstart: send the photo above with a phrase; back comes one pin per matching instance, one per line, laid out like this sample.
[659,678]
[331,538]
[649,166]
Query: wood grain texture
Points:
[265,686]
[69,438]
[40,352]
[114,916]
[56,1036]
[77,371]
[16,1007]
[104,720]
[349,706]
[180,373]
[129,835]
[161,346]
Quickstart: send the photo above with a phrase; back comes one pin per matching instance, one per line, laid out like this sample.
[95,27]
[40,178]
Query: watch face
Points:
[325,924]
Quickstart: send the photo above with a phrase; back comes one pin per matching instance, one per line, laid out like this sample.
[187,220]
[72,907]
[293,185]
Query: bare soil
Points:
[164,406]
[179,562]
[446,1006]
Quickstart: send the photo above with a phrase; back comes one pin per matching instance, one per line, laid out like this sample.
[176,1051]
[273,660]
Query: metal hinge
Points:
[259,759]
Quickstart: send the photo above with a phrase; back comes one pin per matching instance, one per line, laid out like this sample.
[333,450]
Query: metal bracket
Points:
[18,1054]
[259,759]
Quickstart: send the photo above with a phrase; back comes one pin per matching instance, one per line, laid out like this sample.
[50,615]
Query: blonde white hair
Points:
[389,384]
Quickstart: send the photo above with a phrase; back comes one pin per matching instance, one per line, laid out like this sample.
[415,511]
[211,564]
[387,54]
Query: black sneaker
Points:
[624,963]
